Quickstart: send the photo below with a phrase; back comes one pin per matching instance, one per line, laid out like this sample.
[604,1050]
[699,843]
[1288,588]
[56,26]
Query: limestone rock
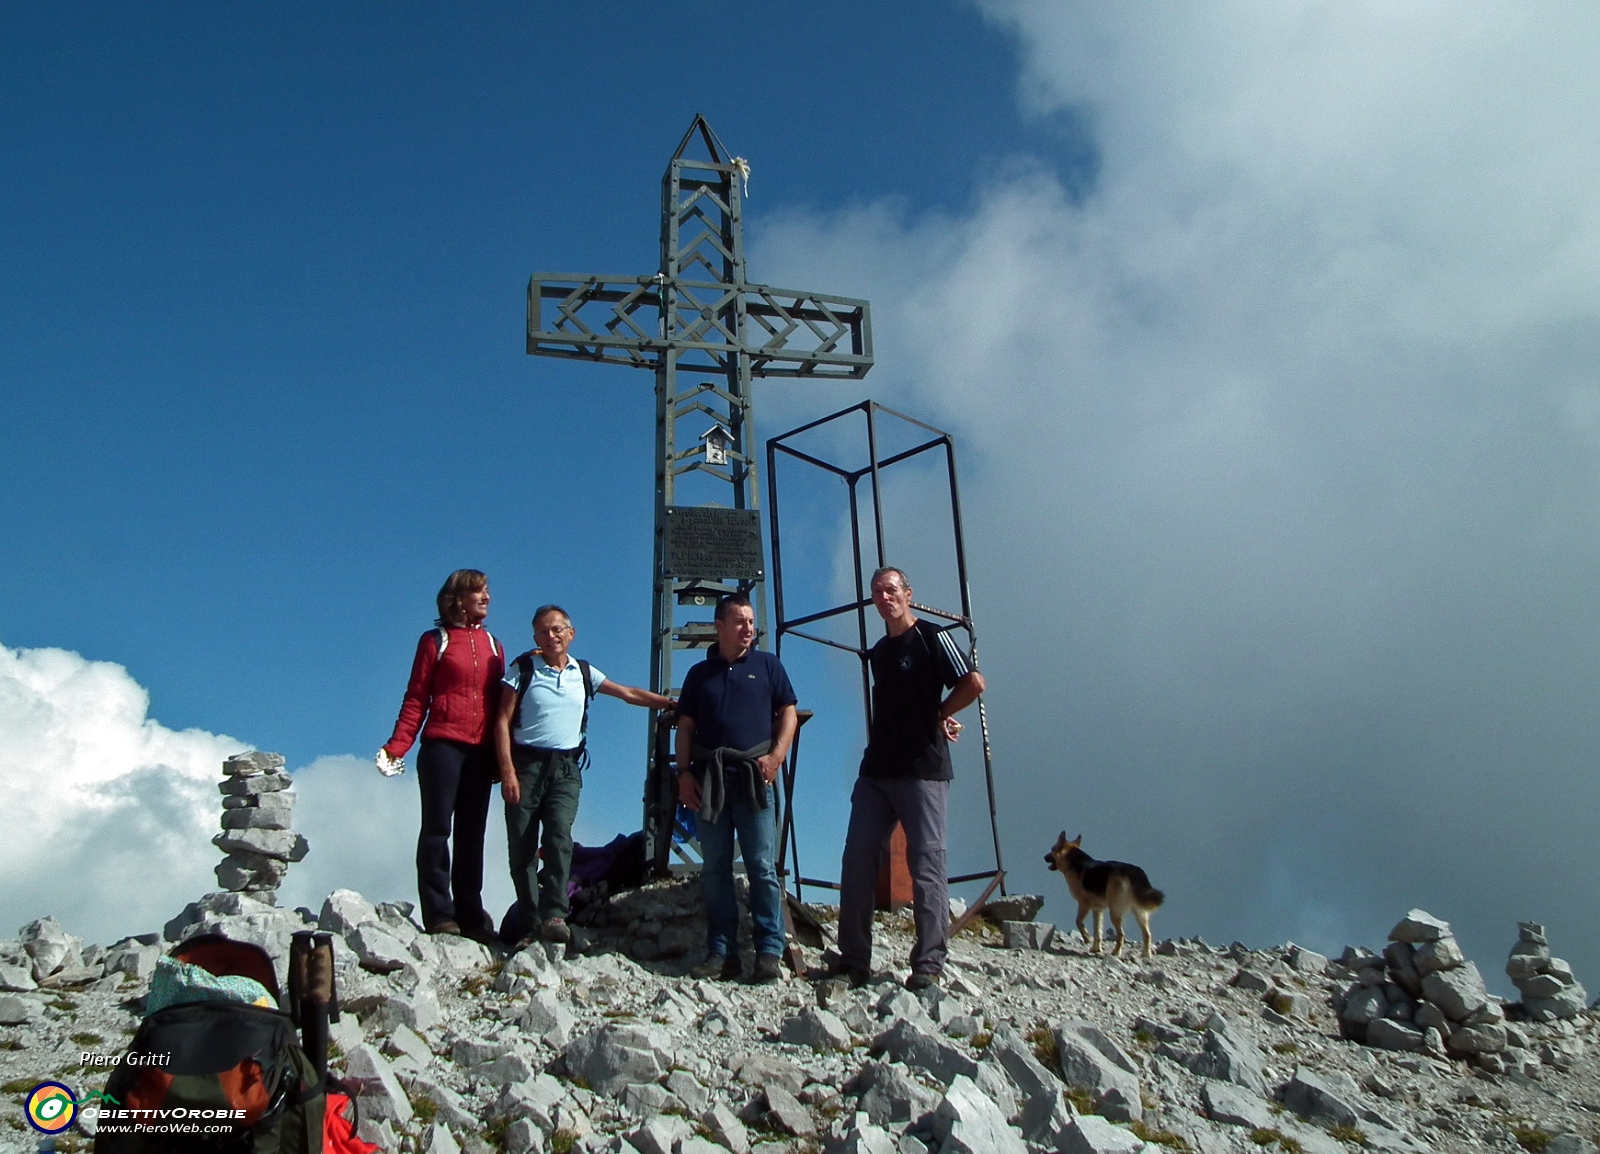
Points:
[1235,1106]
[548,1018]
[377,949]
[17,1010]
[1045,1110]
[1487,1039]
[613,1056]
[252,817]
[1090,1134]
[865,1138]
[1027,935]
[50,947]
[968,1122]
[660,1135]
[15,977]
[1306,961]
[785,1112]
[1458,992]
[1321,1099]
[254,786]
[817,1029]
[378,1092]
[1443,954]
[1419,926]
[1252,981]
[1013,908]
[1387,1034]
[907,1042]
[523,1137]
[1229,1058]
[889,1097]
[1085,1064]
[726,1129]
[759,1069]
[252,763]
[343,911]
[283,844]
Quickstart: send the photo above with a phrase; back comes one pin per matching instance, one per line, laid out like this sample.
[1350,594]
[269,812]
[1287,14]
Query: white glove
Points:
[389,766]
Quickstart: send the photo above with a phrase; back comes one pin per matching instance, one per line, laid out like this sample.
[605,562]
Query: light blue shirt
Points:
[552,709]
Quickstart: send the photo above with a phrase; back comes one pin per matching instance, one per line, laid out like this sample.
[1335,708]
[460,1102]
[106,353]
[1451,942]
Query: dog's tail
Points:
[1145,895]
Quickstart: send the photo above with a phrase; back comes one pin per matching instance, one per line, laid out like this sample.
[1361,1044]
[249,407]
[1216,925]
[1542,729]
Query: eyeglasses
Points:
[552,630]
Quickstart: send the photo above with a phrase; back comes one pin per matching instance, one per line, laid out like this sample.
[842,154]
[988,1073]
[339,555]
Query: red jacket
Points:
[459,692]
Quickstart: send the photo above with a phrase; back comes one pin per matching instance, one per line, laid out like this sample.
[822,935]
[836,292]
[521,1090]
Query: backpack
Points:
[218,1056]
[524,664]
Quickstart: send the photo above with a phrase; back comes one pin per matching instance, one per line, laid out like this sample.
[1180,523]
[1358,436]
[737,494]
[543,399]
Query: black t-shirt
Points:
[909,676]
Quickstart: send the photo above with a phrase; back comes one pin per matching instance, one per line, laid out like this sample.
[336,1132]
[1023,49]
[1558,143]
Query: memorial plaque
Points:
[715,544]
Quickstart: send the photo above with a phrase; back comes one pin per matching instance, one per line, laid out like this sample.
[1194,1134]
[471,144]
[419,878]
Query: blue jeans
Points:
[757,830]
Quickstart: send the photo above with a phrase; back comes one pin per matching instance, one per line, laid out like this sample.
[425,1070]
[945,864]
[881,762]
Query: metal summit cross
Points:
[699,319]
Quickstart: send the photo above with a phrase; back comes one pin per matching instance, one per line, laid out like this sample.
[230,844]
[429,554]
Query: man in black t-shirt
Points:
[905,778]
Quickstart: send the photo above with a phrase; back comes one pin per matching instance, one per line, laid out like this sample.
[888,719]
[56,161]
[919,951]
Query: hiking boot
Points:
[923,980]
[717,968]
[445,927]
[555,930]
[847,977]
[769,968]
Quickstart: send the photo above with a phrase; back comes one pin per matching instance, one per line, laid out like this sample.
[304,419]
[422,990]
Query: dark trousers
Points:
[875,805]
[456,780]
[550,781]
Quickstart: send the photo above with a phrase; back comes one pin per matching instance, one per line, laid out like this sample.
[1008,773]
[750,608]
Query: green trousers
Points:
[550,781]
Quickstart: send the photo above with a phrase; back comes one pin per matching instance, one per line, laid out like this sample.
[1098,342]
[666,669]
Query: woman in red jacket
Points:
[454,683]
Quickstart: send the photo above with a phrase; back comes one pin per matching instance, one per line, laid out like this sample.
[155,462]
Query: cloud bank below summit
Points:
[1281,455]
[106,816]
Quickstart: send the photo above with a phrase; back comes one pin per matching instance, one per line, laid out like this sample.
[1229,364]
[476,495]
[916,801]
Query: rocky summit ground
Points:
[455,1046]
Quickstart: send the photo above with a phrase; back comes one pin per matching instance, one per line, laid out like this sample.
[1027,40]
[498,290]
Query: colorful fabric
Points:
[338,1132]
[176,982]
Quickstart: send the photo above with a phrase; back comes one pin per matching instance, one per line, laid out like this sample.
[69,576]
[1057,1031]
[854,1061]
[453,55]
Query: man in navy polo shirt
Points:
[736,719]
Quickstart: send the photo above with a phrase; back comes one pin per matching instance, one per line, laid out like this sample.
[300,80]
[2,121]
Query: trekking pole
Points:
[299,949]
[321,1002]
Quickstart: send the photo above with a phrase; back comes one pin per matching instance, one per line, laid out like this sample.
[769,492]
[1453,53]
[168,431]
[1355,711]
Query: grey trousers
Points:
[875,805]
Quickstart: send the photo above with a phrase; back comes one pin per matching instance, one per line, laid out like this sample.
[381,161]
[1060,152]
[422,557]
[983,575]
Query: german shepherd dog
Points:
[1112,886]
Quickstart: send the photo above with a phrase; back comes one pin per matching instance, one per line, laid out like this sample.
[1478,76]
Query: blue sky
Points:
[265,269]
[1268,333]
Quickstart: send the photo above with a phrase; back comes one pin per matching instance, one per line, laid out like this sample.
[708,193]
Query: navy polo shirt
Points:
[733,704]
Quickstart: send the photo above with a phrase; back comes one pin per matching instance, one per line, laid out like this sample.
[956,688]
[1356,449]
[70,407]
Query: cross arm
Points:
[790,333]
[595,318]
[635,320]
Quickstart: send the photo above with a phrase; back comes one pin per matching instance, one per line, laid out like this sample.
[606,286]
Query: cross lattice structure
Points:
[707,333]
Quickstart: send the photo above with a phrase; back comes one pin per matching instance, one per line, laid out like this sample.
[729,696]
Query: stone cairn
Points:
[1548,989]
[257,825]
[1422,995]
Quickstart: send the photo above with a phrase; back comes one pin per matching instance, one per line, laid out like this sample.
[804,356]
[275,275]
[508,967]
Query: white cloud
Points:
[363,833]
[105,814]
[1278,452]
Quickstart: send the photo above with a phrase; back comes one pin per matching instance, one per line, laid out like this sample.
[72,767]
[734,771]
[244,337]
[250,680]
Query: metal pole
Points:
[966,612]
[861,613]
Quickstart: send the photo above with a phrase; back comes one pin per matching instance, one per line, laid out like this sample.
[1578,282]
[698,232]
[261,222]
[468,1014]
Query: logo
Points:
[51,1108]
[905,663]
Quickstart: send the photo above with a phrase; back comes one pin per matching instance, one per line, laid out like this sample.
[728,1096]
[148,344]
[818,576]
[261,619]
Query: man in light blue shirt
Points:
[544,716]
